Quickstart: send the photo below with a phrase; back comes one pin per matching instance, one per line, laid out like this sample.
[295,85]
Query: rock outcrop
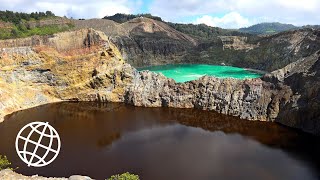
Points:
[144,41]
[8,174]
[67,66]
[237,43]
[62,42]
[60,21]
[248,99]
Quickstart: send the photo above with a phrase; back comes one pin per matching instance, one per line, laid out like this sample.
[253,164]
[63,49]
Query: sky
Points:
[217,13]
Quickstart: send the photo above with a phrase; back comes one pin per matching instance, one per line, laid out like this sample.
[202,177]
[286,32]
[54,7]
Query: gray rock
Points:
[78,177]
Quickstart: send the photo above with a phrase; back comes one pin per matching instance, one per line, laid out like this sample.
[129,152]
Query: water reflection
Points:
[162,143]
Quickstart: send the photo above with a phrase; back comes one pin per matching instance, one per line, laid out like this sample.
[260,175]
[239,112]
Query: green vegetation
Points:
[21,31]
[19,24]
[17,17]
[124,176]
[267,28]
[121,18]
[4,162]
[203,31]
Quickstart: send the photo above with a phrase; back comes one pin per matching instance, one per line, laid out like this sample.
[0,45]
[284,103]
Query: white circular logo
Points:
[38,144]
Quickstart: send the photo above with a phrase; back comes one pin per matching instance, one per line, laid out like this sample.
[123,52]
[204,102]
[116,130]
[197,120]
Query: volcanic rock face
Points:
[67,66]
[143,41]
[264,53]
[303,110]
[252,99]
[85,65]
[65,41]
[237,43]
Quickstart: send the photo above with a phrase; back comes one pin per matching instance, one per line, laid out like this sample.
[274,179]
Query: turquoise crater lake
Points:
[189,72]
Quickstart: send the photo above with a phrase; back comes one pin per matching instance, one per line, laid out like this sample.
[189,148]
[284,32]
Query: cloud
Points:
[76,9]
[298,12]
[230,20]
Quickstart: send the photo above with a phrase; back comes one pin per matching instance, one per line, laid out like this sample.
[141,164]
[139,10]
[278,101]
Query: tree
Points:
[16,18]
[49,14]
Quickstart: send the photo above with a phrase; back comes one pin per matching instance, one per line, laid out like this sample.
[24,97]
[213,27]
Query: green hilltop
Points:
[20,25]
[268,28]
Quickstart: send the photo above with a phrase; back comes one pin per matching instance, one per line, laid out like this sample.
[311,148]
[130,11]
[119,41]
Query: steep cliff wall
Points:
[267,53]
[67,66]
[65,41]
[303,78]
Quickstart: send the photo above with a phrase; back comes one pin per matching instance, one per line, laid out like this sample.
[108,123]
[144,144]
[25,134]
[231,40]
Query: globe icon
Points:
[38,144]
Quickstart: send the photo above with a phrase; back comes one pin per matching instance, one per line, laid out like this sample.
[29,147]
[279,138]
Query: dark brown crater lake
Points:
[99,140]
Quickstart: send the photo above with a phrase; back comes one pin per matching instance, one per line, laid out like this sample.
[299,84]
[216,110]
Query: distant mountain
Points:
[203,31]
[268,28]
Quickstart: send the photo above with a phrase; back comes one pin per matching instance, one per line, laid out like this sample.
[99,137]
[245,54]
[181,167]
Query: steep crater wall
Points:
[144,42]
[289,96]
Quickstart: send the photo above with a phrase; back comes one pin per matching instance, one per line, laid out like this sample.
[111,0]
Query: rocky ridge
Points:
[144,41]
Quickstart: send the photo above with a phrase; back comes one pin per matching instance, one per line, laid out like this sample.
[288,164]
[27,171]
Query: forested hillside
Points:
[203,31]
[17,17]
[268,28]
[19,25]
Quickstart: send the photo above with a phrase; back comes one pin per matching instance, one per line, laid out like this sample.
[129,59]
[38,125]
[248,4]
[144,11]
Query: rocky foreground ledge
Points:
[8,174]
[84,65]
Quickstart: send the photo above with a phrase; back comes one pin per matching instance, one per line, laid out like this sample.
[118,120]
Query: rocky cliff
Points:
[144,41]
[264,53]
[85,65]
[66,66]
[292,99]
